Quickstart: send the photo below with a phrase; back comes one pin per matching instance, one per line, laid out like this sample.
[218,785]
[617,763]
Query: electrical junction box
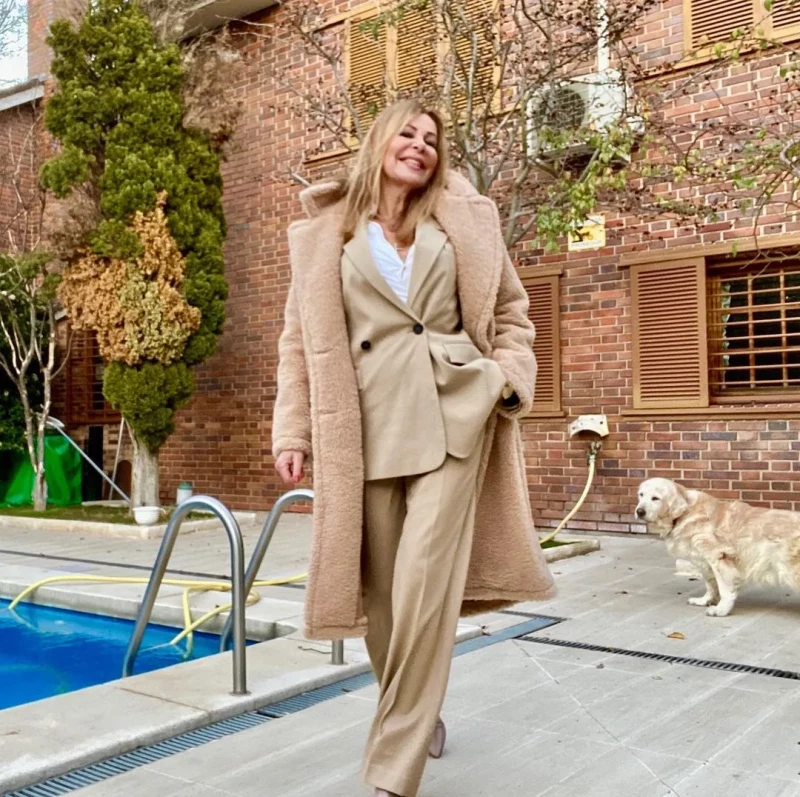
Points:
[596,424]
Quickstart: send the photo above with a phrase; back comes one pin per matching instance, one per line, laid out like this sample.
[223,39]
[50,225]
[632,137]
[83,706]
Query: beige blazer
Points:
[425,389]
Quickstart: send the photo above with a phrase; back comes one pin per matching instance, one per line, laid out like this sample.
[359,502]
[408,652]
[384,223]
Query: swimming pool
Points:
[46,651]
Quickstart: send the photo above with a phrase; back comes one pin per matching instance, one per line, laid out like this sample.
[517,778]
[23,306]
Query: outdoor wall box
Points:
[596,424]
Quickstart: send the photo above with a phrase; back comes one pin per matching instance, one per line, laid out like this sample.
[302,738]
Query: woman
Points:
[404,363]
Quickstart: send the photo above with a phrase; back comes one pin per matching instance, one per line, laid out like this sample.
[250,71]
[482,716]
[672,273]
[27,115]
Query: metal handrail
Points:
[264,540]
[238,593]
[58,426]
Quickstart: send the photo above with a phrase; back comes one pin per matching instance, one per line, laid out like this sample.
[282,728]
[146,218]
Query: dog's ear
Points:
[679,502]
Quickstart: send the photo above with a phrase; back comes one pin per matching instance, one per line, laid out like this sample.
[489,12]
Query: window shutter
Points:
[543,294]
[711,21]
[416,47]
[785,14]
[670,358]
[366,70]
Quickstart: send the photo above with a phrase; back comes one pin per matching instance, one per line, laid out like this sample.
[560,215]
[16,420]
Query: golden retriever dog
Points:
[731,543]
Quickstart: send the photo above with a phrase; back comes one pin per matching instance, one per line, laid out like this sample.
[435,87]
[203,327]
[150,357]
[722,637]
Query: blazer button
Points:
[418,329]
[366,345]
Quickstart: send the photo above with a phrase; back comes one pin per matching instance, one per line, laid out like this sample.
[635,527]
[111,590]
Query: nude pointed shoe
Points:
[439,737]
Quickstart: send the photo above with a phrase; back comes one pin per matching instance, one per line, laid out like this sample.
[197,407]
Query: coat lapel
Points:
[357,249]
[471,224]
[316,246]
[428,243]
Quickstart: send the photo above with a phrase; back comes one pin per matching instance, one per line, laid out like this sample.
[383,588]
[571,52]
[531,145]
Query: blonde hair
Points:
[363,187]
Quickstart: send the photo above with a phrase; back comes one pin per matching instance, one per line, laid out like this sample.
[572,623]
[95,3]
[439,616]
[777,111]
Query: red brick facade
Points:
[222,443]
[19,157]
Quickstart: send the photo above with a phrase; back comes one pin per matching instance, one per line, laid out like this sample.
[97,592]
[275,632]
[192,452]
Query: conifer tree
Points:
[117,113]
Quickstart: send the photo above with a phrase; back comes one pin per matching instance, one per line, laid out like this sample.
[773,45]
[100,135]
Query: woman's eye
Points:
[407,134]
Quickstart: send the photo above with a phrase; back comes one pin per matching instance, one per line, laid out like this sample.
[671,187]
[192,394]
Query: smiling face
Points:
[412,154]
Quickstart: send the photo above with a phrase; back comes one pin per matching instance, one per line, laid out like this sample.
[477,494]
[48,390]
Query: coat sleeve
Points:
[291,422]
[513,342]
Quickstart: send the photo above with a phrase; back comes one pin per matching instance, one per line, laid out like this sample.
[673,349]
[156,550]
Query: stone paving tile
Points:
[707,727]
[140,782]
[619,772]
[768,747]
[670,770]
[526,769]
[533,719]
[710,780]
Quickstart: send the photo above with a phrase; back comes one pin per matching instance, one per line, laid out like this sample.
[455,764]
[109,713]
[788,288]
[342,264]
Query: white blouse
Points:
[396,273]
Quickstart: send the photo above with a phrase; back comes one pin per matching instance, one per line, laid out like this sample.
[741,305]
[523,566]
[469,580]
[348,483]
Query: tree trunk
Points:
[34,441]
[39,495]
[144,490]
[40,477]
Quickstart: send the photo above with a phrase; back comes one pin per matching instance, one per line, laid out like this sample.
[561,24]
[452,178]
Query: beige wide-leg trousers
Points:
[417,544]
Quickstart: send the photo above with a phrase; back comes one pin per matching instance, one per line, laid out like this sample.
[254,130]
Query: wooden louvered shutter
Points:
[416,48]
[475,49]
[785,14]
[543,294]
[366,70]
[670,357]
[710,21]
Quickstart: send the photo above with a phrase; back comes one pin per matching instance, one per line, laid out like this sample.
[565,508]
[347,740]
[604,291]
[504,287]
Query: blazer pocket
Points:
[461,353]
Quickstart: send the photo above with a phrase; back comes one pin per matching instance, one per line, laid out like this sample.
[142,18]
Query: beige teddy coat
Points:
[317,409]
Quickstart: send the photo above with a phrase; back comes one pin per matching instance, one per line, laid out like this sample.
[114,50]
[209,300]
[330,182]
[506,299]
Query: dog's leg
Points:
[712,589]
[728,581]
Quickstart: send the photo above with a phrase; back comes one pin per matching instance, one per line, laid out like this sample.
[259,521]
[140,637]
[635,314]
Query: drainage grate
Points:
[307,699]
[709,664]
[512,632]
[517,613]
[94,773]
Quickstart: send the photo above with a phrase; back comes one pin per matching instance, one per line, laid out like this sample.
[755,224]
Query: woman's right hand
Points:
[289,465]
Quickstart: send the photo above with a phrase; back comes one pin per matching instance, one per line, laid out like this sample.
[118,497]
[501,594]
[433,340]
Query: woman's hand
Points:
[289,465]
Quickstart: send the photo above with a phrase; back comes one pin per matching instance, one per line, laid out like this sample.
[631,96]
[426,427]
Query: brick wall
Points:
[222,443]
[222,440]
[18,168]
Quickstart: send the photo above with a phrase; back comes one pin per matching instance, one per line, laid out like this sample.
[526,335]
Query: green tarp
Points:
[62,465]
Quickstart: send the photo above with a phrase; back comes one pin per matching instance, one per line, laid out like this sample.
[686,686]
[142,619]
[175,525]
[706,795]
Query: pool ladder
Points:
[241,582]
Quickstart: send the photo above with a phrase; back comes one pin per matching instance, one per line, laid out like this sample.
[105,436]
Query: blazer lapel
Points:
[357,249]
[428,242]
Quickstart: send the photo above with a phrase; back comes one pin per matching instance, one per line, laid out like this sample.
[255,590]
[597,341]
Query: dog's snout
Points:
[640,511]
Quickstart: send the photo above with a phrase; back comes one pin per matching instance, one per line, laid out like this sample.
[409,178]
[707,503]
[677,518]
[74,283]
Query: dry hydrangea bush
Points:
[137,307]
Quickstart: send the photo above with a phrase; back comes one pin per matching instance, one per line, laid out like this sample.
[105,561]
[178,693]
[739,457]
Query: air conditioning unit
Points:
[593,101]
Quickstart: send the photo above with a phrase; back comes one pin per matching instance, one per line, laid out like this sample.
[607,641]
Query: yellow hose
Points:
[589,480]
[190,587]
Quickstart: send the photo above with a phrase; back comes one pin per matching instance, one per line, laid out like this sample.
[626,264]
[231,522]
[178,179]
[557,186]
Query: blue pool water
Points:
[45,651]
